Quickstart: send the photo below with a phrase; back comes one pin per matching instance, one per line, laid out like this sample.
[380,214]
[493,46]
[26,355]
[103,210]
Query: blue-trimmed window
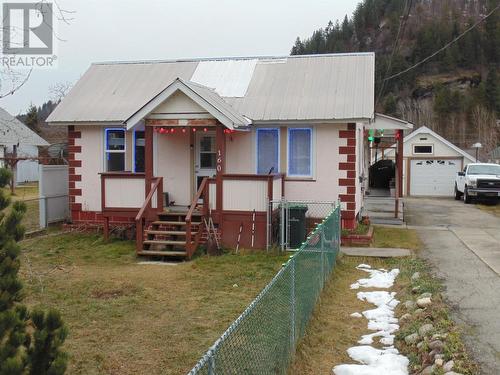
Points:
[114,140]
[268,146]
[300,152]
[139,150]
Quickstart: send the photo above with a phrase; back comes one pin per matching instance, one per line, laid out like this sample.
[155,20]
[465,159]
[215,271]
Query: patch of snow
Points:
[381,319]
[374,362]
[378,279]
[363,266]
[386,361]
[356,315]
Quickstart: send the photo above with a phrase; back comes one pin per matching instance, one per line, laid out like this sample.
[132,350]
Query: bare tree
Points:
[59,90]
[486,130]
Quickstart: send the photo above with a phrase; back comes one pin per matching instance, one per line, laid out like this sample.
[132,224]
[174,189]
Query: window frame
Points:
[311,154]
[423,145]
[278,131]
[106,151]
[133,149]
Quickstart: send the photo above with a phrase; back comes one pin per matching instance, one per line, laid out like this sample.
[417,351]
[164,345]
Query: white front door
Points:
[433,177]
[206,157]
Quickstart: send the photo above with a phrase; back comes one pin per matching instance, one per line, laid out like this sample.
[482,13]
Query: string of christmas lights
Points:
[164,130]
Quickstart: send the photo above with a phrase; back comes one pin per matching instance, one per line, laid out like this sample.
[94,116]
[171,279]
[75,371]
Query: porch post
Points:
[400,163]
[399,171]
[148,156]
[220,143]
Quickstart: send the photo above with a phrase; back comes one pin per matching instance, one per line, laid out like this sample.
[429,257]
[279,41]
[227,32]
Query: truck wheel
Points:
[458,194]
[467,198]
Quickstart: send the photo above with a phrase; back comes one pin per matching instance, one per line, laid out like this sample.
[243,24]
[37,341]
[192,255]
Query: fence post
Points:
[292,304]
[211,364]
[322,249]
[282,225]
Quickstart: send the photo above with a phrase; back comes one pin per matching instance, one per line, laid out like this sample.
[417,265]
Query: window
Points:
[208,152]
[115,150]
[300,152]
[423,149]
[267,151]
[139,150]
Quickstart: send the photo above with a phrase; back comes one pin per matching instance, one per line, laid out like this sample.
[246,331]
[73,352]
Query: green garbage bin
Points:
[297,225]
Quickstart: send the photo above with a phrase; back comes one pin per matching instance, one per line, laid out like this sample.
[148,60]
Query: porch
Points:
[170,225]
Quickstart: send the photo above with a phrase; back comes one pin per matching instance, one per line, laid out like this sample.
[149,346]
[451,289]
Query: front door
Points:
[206,157]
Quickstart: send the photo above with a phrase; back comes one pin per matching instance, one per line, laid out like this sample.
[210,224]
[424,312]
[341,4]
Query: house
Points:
[16,138]
[218,137]
[430,163]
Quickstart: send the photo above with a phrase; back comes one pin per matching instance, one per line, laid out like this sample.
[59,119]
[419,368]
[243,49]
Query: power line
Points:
[401,31]
[444,47]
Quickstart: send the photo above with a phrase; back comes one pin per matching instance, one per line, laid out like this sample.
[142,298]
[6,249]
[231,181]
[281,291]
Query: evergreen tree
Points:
[38,350]
[31,118]
[493,91]
[492,28]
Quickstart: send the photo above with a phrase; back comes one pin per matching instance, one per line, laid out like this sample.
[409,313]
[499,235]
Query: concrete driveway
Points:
[463,244]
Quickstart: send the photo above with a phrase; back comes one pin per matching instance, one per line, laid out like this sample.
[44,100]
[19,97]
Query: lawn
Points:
[29,194]
[127,318]
[395,237]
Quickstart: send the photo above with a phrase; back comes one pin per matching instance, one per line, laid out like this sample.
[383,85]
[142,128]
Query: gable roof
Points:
[426,130]
[14,132]
[331,87]
[201,95]
[388,123]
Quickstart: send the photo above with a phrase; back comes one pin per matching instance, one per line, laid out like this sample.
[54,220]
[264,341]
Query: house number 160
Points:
[219,161]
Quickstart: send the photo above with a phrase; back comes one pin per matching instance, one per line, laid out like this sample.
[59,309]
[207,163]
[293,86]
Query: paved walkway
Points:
[375,252]
[463,244]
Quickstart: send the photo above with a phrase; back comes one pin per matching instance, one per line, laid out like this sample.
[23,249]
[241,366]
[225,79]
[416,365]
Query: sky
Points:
[116,30]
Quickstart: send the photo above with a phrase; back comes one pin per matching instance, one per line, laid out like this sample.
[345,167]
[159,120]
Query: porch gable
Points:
[201,96]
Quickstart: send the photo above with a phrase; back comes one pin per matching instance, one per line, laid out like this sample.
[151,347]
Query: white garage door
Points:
[433,177]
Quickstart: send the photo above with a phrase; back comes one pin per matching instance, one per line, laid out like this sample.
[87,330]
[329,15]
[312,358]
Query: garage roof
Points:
[426,130]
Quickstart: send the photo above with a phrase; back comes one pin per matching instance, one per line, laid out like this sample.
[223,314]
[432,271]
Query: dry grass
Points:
[492,208]
[395,238]
[332,330]
[126,318]
[29,194]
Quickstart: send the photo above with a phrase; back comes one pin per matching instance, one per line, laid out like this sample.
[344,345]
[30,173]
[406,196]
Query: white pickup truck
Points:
[478,180]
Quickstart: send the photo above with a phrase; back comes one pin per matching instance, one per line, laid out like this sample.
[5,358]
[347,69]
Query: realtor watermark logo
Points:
[28,35]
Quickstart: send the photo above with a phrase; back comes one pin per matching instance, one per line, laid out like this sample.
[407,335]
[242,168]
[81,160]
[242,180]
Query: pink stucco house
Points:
[218,135]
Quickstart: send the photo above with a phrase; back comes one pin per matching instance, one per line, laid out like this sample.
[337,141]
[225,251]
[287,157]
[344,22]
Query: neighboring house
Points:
[256,128]
[15,136]
[430,163]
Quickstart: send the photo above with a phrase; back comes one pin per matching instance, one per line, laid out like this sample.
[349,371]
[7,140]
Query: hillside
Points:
[457,92]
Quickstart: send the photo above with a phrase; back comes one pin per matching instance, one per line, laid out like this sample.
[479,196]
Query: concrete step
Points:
[163,253]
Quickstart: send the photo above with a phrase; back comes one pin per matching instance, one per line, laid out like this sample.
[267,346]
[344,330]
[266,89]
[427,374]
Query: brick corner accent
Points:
[348,148]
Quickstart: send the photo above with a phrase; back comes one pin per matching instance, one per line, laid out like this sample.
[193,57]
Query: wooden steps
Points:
[167,235]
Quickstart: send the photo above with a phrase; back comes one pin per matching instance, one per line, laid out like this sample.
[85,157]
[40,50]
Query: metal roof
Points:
[332,87]
[14,132]
[388,123]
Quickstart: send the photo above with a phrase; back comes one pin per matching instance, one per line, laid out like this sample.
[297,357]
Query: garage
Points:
[433,177]
[431,163]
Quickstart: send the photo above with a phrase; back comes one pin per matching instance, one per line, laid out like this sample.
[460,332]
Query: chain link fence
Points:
[289,222]
[264,338]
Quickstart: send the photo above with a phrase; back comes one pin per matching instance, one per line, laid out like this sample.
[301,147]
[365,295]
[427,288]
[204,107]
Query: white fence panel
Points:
[53,193]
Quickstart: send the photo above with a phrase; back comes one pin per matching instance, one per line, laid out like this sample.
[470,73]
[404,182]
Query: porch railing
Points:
[202,193]
[147,212]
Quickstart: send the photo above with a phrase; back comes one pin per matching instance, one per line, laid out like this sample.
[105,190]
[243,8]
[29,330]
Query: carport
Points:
[382,134]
